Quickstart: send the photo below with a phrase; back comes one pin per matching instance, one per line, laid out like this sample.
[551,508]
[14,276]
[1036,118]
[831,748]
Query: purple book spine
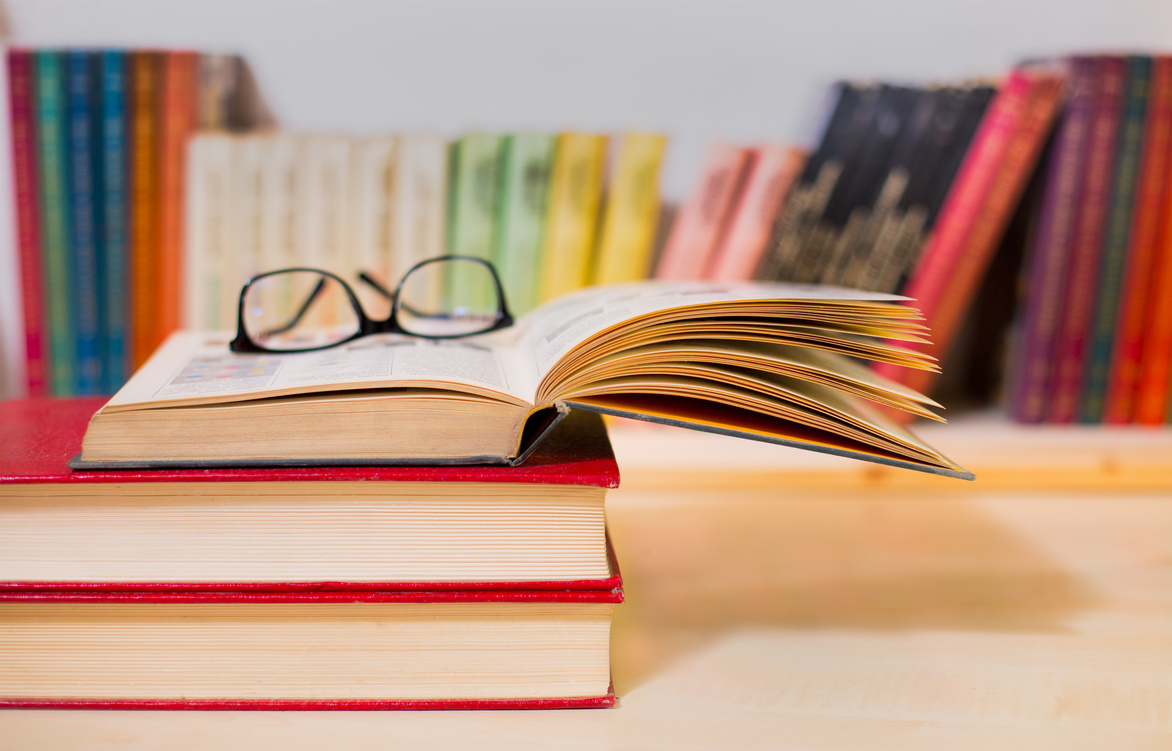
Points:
[1048,257]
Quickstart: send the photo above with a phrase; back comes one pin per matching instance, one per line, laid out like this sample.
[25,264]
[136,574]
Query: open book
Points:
[770,362]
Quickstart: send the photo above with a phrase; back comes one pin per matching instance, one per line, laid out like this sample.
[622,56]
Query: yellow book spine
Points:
[574,198]
[632,210]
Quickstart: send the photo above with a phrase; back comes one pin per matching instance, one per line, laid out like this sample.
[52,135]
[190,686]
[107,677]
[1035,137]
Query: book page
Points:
[198,368]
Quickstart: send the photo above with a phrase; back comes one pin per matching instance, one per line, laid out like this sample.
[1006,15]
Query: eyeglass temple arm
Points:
[376,285]
[321,283]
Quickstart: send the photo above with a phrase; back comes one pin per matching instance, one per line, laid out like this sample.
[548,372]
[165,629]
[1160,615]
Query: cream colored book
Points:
[770,362]
[209,275]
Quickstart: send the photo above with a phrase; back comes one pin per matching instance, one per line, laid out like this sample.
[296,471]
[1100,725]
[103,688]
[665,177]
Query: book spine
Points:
[419,208]
[632,210]
[177,111]
[520,226]
[572,213]
[1051,250]
[144,236]
[83,238]
[1113,257]
[773,173]
[24,178]
[219,77]
[475,195]
[111,176]
[1071,342]
[696,231]
[1155,179]
[53,174]
[931,281]
[1152,399]
[373,174]
[208,261]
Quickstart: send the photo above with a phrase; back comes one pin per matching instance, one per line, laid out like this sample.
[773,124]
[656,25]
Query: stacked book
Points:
[98,139]
[302,588]
[1095,336]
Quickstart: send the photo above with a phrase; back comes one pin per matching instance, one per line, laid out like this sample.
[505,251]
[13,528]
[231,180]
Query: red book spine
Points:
[24,174]
[962,208]
[177,110]
[144,253]
[279,705]
[1074,328]
[1139,294]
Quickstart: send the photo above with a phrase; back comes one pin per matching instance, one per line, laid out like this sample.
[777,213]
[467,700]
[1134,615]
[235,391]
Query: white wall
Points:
[696,69]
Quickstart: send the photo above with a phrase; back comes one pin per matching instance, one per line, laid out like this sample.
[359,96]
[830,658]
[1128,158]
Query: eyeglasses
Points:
[301,309]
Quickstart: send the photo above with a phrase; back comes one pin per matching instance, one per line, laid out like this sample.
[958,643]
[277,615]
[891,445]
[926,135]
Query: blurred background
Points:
[697,71]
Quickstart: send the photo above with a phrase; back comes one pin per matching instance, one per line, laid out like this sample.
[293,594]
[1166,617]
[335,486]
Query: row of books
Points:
[98,139]
[1094,342]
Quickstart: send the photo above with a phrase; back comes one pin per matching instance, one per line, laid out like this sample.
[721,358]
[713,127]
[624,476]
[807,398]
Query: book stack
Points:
[302,588]
[1094,343]
[98,153]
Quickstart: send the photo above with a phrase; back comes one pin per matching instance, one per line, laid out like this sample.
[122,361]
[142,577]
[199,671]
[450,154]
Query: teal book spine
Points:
[1113,261]
[475,169]
[84,248]
[53,174]
[527,162]
[112,159]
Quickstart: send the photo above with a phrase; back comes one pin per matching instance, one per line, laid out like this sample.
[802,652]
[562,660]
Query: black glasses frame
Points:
[366,325]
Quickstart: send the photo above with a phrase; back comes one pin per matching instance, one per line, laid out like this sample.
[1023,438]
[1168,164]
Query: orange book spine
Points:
[769,180]
[177,110]
[1139,294]
[932,280]
[144,239]
[697,227]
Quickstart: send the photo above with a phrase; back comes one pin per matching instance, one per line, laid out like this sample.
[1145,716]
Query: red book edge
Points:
[266,705]
[177,110]
[24,174]
[1070,345]
[1140,316]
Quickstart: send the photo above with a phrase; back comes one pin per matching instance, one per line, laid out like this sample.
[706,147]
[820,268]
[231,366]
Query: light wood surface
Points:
[826,615]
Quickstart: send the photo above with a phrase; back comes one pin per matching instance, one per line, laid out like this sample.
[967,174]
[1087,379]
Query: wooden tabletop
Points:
[949,616]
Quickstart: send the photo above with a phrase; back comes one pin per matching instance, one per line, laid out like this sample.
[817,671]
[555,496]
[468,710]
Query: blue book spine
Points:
[53,179]
[111,191]
[83,238]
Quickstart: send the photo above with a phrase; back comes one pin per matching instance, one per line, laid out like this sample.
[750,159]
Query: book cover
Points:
[952,273]
[53,181]
[22,108]
[1137,300]
[1117,232]
[1071,342]
[519,229]
[739,252]
[178,109]
[703,216]
[111,182]
[145,306]
[632,210]
[85,253]
[1049,254]
[575,193]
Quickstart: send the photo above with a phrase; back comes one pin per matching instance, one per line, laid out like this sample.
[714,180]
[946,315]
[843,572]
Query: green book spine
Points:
[520,223]
[1113,261]
[475,170]
[53,175]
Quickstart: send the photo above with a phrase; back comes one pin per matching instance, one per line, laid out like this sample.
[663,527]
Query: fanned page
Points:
[197,368]
[731,357]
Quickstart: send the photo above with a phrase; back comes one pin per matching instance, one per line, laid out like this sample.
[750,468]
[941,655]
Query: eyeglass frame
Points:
[367,326]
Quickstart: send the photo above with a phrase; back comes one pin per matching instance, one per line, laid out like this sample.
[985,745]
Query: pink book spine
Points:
[766,185]
[1081,283]
[27,217]
[698,225]
[963,205]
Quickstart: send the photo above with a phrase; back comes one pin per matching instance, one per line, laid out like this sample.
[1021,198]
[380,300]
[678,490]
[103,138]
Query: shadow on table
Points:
[696,565]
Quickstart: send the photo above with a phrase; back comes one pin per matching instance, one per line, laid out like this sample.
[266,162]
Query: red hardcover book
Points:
[307,588]
[28,238]
[978,209]
[177,121]
[1071,342]
[1140,297]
